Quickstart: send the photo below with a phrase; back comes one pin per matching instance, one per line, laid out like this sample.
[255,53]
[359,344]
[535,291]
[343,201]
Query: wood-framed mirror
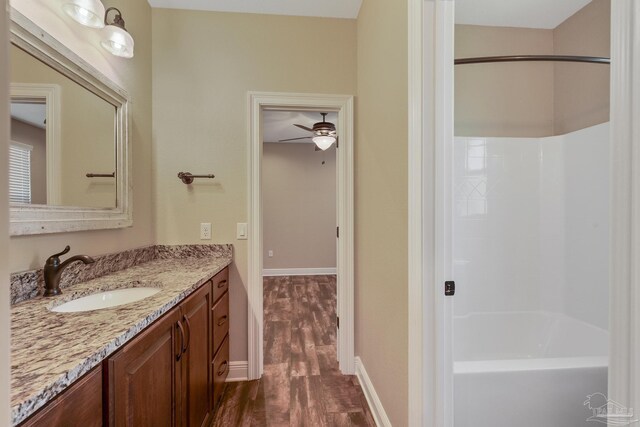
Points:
[69,162]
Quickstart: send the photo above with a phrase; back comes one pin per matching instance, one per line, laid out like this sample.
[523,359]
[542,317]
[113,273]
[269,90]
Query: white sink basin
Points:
[106,299]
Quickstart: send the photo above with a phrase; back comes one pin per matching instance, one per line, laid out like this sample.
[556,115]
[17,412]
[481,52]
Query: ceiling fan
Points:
[323,134]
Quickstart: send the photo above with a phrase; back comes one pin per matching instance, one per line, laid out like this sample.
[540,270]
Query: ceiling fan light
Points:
[89,13]
[324,142]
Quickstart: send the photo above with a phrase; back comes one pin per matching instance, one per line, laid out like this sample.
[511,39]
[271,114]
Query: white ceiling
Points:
[324,8]
[546,14]
[278,125]
[30,113]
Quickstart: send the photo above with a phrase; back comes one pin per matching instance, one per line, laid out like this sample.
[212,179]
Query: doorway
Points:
[530,215]
[342,107]
[299,238]
[431,139]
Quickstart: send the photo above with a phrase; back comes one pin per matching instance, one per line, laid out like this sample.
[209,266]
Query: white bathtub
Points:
[526,369]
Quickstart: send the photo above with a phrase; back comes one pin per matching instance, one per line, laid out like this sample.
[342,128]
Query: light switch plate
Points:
[241,231]
[205,231]
[270,254]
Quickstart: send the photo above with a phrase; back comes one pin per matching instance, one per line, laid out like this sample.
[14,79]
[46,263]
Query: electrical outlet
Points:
[205,231]
[270,254]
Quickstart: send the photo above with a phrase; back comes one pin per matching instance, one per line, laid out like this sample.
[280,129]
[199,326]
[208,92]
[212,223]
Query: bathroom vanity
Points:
[159,361]
[173,370]
[137,338]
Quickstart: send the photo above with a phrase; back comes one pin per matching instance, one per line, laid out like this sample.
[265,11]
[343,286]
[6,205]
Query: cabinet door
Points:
[196,316]
[144,377]
[79,405]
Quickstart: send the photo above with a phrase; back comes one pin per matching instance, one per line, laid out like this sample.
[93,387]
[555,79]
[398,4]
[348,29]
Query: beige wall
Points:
[299,206]
[581,96]
[204,64]
[134,76]
[533,99]
[503,99]
[381,202]
[5,364]
[37,138]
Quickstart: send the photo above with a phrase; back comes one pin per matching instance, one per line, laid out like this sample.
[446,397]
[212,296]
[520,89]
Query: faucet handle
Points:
[54,259]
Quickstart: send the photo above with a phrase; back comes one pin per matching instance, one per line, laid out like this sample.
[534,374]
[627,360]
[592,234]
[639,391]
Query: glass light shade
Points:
[324,142]
[117,41]
[89,13]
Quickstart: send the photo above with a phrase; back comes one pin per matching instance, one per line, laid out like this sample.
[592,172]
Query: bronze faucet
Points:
[53,270]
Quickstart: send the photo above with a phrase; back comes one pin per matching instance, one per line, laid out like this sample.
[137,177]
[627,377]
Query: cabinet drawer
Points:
[220,322]
[220,371]
[220,283]
[80,405]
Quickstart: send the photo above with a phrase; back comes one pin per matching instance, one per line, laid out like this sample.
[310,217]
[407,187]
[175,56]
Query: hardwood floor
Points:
[302,385]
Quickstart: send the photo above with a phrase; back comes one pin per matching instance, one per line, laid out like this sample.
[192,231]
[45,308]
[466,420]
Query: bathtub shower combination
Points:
[530,237]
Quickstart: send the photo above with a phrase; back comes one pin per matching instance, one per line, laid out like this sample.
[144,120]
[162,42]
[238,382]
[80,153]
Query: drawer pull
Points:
[223,368]
[222,320]
[222,284]
[186,347]
[181,329]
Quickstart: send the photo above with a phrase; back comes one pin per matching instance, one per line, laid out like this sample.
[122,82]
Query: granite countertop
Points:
[49,351]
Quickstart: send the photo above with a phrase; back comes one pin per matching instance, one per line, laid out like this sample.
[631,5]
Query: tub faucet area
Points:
[53,269]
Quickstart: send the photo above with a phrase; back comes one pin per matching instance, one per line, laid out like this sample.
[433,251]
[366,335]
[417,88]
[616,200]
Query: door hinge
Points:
[449,288]
[338,232]
[338,322]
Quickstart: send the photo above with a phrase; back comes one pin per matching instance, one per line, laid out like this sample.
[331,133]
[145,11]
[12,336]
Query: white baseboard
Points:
[298,271]
[379,415]
[238,371]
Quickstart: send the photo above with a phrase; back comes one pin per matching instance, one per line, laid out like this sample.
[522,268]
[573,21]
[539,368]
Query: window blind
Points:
[19,173]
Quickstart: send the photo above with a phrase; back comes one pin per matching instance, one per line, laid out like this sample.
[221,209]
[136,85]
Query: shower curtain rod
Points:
[530,58]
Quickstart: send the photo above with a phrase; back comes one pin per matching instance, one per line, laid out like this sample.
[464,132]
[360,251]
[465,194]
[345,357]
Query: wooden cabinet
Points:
[165,377]
[220,322]
[220,338]
[144,377]
[79,405]
[172,374]
[220,371]
[220,283]
[196,374]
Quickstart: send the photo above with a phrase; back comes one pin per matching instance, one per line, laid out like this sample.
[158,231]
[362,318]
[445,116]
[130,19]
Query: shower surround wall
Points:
[531,224]
[534,99]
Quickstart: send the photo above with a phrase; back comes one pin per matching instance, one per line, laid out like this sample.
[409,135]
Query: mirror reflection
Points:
[63,139]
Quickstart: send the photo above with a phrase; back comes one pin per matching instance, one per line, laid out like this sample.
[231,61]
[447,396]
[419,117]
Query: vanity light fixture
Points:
[89,13]
[324,142]
[115,39]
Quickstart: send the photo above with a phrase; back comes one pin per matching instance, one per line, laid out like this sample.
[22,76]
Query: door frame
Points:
[431,32]
[431,25]
[343,105]
[50,93]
